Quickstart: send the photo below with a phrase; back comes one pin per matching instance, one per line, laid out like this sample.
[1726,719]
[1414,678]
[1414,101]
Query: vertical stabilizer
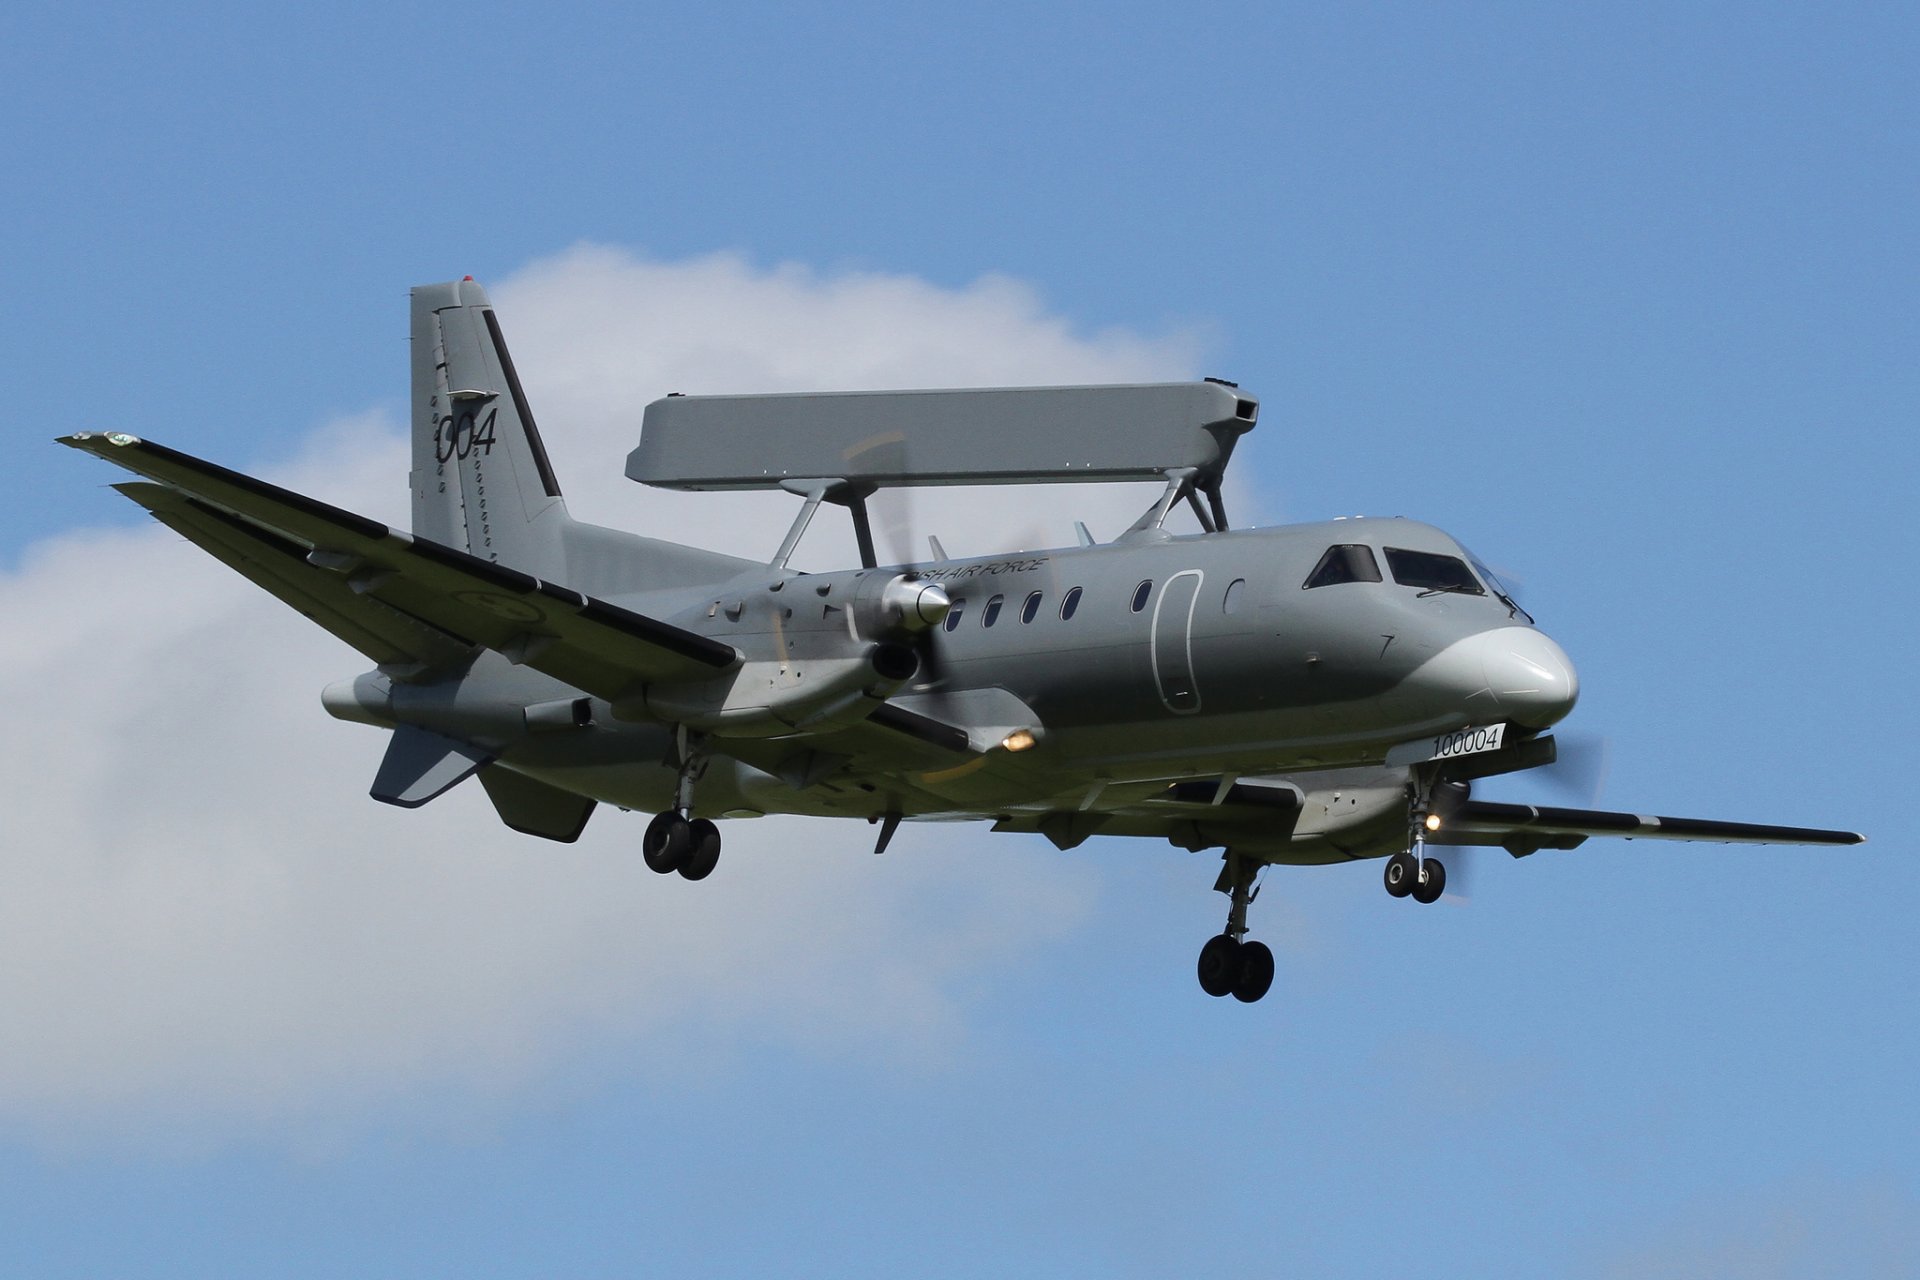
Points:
[481,479]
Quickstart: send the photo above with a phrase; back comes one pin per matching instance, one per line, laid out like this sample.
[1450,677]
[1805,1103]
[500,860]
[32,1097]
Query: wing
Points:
[279,566]
[397,598]
[1521,829]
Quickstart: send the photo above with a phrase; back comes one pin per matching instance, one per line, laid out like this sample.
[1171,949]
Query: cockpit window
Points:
[1432,572]
[1348,563]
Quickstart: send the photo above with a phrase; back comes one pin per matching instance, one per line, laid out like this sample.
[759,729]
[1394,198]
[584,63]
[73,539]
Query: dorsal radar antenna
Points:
[841,447]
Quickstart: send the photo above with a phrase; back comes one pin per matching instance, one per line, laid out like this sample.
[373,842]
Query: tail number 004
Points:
[458,437]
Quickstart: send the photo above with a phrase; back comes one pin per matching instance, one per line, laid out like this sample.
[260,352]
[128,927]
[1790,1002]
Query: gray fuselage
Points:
[1229,666]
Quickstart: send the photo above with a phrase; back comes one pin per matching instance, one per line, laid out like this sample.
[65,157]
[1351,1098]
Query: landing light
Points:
[1018,740]
[1433,822]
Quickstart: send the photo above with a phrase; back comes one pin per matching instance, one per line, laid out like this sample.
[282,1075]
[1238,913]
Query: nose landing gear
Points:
[675,841]
[1423,879]
[1229,963]
[1411,873]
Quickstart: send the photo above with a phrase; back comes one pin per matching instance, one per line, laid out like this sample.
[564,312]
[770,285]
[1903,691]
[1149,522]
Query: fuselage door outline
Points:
[1171,645]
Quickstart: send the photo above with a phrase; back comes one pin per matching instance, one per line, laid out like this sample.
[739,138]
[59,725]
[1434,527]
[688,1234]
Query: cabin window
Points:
[1230,603]
[1140,594]
[1069,604]
[953,614]
[1031,609]
[1347,563]
[1432,572]
[991,614]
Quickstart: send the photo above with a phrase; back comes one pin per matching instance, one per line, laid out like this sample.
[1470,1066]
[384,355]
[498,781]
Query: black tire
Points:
[664,847]
[703,850]
[1219,965]
[1403,871]
[1256,972]
[1432,881]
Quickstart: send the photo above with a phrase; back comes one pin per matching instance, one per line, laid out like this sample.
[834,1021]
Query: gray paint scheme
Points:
[995,435]
[1235,708]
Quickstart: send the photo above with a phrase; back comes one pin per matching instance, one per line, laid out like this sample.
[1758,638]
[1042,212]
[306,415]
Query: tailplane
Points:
[481,479]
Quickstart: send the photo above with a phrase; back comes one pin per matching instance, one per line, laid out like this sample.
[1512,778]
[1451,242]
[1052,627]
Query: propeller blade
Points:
[898,528]
[1579,770]
[1462,862]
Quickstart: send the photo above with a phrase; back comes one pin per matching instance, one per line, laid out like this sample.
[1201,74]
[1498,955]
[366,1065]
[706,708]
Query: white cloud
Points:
[206,925]
[597,335]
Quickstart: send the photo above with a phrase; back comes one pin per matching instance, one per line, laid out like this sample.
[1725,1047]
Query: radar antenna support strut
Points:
[843,493]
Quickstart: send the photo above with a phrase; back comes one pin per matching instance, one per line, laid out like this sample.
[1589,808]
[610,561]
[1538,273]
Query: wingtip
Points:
[93,441]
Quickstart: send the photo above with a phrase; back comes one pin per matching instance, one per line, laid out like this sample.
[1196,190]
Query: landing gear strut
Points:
[1229,963]
[1411,873]
[675,841]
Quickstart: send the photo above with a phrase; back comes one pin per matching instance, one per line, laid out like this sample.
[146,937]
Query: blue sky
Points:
[1623,297]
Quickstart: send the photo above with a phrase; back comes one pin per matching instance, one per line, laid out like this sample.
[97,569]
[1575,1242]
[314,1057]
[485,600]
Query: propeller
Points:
[922,611]
[1577,775]
[1579,770]
[917,610]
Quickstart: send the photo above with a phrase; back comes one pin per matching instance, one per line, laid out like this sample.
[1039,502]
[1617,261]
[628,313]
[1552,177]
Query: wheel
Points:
[1432,881]
[1402,870]
[703,850]
[1219,965]
[665,845]
[1256,972]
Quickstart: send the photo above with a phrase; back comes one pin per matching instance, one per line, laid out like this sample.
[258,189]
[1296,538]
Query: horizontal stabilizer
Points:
[591,644]
[420,765]
[1522,826]
[536,808]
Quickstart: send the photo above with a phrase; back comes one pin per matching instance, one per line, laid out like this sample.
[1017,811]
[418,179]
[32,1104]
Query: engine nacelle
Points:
[768,699]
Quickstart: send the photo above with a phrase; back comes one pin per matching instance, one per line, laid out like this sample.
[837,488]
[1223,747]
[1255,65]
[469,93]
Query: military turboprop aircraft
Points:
[1315,693]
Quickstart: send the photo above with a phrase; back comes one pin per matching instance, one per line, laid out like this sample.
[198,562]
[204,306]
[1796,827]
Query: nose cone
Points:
[1509,673]
[1529,676]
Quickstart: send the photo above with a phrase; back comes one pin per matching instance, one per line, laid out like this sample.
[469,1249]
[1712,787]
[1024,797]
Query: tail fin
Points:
[481,479]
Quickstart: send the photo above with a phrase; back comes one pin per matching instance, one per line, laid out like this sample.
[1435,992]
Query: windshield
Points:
[1499,587]
[1432,572]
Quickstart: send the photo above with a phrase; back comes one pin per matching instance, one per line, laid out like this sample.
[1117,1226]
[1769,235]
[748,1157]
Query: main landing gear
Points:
[1230,965]
[676,841]
[1421,878]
